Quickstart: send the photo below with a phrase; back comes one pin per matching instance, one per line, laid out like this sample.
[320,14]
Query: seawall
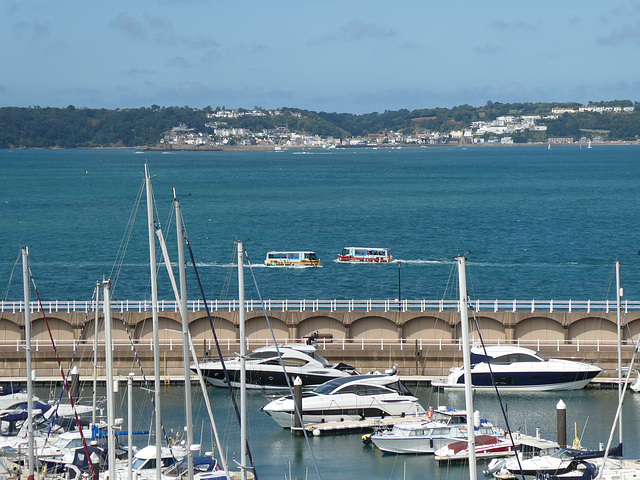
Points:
[420,342]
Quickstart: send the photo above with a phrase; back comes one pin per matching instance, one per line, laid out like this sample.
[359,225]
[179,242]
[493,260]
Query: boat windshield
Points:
[70,443]
[364,390]
[405,431]
[149,463]
[515,358]
[287,362]
[62,442]
[138,463]
[320,358]
[332,385]
[455,419]
[261,355]
[566,453]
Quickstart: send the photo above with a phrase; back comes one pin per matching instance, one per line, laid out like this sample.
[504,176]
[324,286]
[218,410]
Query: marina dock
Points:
[349,426]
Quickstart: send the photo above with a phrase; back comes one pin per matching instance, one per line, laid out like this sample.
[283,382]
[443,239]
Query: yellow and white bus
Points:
[292,259]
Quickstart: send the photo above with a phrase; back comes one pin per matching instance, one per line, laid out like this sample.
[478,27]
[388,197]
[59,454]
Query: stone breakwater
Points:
[425,343]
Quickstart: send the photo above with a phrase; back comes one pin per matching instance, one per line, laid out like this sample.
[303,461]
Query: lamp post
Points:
[399,288]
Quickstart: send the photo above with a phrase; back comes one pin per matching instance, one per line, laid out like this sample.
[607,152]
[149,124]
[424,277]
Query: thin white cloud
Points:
[519,26]
[179,62]
[157,24]
[624,34]
[12,8]
[201,42]
[133,27]
[488,50]
[576,21]
[410,46]
[31,31]
[134,72]
[187,93]
[356,30]
[161,31]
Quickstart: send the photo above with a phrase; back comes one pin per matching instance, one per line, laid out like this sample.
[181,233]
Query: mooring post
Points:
[297,414]
[74,389]
[561,423]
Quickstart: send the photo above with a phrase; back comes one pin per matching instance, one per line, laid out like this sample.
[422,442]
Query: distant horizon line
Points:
[386,110]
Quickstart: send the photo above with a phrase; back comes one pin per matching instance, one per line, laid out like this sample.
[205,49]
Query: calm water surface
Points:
[276,451]
[539,223]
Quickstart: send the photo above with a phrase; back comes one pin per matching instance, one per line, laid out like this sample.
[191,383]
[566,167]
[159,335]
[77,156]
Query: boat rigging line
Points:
[64,378]
[6,293]
[73,357]
[191,348]
[502,408]
[228,277]
[215,337]
[124,242]
[297,410]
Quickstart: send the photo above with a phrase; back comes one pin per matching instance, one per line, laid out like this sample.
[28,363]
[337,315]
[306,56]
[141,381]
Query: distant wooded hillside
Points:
[72,127]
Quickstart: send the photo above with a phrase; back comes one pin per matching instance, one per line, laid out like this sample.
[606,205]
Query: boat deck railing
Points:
[330,305]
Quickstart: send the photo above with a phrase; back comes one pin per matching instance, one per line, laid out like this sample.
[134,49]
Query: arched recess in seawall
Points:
[337,324]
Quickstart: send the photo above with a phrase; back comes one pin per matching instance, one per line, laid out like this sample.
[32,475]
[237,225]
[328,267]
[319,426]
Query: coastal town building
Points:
[503,130]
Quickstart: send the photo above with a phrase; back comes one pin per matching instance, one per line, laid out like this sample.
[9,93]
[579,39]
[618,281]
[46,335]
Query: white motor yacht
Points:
[443,427]
[519,369]
[357,397]
[264,367]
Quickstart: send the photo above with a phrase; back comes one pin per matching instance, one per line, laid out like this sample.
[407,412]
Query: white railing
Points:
[332,305]
[588,346]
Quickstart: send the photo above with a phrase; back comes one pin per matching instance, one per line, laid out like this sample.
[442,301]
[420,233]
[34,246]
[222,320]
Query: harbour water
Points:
[277,453]
[542,224]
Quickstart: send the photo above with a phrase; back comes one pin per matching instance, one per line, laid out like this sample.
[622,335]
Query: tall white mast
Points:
[466,360]
[95,355]
[108,359]
[130,427]
[194,356]
[154,313]
[243,379]
[619,323]
[27,337]
[185,335]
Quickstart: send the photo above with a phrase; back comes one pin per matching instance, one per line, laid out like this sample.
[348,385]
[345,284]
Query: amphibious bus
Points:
[292,259]
[364,255]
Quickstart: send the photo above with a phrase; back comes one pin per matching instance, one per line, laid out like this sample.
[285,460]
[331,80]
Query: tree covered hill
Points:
[71,127]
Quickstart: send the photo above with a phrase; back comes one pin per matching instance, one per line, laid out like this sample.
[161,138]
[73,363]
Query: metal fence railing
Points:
[331,305]
[396,344]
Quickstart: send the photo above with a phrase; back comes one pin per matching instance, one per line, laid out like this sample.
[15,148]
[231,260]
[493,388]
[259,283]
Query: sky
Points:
[346,56]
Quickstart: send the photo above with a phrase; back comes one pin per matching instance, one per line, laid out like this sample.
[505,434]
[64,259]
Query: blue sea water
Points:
[538,223]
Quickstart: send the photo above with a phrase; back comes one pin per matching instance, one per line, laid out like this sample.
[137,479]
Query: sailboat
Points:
[27,334]
[466,360]
[207,467]
[162,456]
[570,463]
[619,468]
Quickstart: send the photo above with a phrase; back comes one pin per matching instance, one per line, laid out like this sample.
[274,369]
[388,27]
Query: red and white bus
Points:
[364,255]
